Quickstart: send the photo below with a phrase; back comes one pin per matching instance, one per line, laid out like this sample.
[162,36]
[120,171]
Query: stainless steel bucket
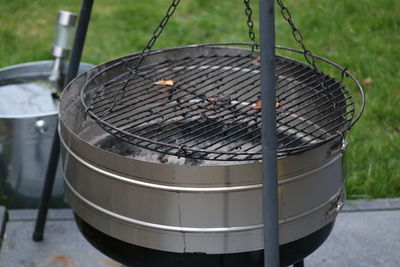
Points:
[26,133]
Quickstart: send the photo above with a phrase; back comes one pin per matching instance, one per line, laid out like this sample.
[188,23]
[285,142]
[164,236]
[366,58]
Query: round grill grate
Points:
[206,105]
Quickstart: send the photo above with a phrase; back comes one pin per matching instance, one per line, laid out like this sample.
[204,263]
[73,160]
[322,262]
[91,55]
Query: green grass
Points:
[362,35]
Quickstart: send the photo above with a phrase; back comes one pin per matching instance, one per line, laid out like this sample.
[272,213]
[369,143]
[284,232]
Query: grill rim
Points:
[341,132]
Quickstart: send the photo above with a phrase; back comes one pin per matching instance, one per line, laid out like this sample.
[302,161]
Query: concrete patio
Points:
[366,233]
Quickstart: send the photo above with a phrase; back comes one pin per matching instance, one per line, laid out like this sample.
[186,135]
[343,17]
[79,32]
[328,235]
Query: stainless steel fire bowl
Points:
[180,204]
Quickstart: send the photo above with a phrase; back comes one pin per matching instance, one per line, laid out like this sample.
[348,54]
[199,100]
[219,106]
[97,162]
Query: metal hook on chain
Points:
[180,149]
[86,112]
[344,73]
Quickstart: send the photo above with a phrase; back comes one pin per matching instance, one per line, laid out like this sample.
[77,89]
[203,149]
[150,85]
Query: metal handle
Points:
[41,126]
[336,207]
[338,147]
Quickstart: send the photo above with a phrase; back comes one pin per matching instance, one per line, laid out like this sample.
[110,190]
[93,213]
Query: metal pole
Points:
[79,41]
[73,68]
[268,133]
[47,189]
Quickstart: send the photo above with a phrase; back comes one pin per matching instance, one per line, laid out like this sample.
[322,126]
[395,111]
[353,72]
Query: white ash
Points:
[114,145]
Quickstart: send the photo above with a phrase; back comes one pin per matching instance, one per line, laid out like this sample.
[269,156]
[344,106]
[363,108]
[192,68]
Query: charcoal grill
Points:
[162,152]
[175,170]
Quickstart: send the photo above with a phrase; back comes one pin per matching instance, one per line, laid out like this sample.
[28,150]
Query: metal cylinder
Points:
[28,117]
[64,33]
[269,138]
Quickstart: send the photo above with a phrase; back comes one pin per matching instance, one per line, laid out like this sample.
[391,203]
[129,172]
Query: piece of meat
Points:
[256,61]
[163,158]
[258,105]
[221,98]
[164,82]
[208,118]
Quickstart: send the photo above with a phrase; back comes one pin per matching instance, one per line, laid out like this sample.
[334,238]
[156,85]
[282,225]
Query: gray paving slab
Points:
[63,245]
[372,205]
[366,233]
[30,214]
[361,239]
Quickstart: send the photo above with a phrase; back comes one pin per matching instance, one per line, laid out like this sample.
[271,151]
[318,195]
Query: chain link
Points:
[309,57]
[133,72]
[250,24]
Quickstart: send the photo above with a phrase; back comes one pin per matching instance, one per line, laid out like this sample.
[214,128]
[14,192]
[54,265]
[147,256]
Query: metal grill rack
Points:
[213,110]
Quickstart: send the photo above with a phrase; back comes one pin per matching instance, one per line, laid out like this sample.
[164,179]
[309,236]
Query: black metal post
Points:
[73,68]
[79,41]
[47,189]
[268,133]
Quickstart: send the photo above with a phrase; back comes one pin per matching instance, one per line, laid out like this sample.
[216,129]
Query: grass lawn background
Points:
[362,35]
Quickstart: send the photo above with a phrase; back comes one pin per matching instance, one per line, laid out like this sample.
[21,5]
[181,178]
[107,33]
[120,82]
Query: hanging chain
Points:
[157,32]
[133,72]
[250,24]
[298,37]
